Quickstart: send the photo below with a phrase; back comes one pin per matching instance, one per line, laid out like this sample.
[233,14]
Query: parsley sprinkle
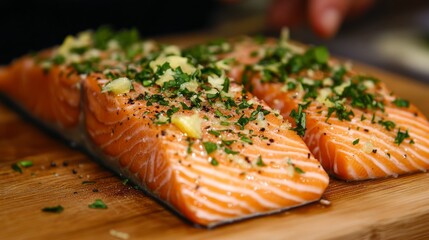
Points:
[229,151]
[340,111]
[244,105]
[299,170]
[228,142]
[300,120]
[226,85]
[56,209]
[210,147]
[320,54]
[356,141]
[412,141]
[218,113]
[389,125]
[25,163]
[98,204]
[223,123]
[88,182]
[246,140]
[214,162]
[16,168]
[401,102]
[125,181]
[259,162]
[401,136]
[215,133]
[242,121]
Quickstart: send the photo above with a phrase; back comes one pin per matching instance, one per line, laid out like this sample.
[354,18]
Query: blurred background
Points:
[393,34]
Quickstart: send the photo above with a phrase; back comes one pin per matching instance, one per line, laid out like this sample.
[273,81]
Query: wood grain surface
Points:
[393,208]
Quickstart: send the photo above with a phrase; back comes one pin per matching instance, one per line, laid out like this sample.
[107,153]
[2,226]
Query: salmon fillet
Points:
[185,133]
[351,122]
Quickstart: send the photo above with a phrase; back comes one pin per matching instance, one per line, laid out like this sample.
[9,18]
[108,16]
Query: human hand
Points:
[324,16]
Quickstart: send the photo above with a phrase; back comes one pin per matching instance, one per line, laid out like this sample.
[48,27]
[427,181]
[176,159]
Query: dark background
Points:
[33,25]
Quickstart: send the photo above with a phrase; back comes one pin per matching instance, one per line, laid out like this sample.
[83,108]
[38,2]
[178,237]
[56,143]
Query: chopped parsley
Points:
[210,147]
[125,181]
[25,163]
[401,136]
[340,111]
[16,168]
[214,162]
[228,142]
[401,102]
[242,121]
[215,133]
[246,140]
[229,151]
[389,125]
[98,204]
[356,141]
[260,162]
[296,168]
[55,209]
[88,182]
[300,119]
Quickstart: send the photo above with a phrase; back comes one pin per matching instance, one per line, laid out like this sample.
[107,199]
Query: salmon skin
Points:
[185,133]
[351,122]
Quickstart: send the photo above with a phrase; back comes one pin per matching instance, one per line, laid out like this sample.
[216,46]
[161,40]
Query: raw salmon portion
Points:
[351,122]
[187,134]
[52,96]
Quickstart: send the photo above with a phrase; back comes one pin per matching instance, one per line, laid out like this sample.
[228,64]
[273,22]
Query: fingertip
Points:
[329,22]
[326,16]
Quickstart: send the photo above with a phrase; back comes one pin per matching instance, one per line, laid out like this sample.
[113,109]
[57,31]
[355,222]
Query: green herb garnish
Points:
[25,163]
[210,147]
[401,102]
[88,182]
[214,162]
[246,140]
[215,133]
[56,209]
[356,141]
[300,120]
[260,162]
[16,168]
[297,169]
[125,181]
[340,111]
[401,136]
[389,125]
[98,204]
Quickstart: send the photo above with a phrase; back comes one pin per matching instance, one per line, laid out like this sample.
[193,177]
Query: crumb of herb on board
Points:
[54,209]
[25,164]
[98,204]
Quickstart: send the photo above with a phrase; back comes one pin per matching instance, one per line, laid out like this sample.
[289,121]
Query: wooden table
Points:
[380,209]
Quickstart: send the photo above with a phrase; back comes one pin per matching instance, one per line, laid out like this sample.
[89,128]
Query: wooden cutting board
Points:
[393,208]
